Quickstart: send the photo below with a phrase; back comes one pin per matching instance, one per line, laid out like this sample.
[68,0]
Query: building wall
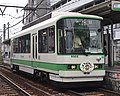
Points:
[117,50]
[73,5]
[69,5]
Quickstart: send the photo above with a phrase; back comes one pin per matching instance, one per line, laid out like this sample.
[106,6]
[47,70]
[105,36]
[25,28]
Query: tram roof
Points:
[53,17]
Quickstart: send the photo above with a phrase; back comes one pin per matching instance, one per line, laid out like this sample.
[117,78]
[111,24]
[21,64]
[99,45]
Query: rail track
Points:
[96,92]
[31,85]
[35,88]
[8,88]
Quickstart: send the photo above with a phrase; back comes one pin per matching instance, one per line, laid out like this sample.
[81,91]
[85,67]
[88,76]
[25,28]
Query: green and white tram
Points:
[66,48]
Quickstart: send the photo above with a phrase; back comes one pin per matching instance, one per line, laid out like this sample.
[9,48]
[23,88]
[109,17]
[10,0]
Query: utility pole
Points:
[112,46]
[4,32]
[4,26]
[108,48]
[1,50]
[110,42]
[8,29]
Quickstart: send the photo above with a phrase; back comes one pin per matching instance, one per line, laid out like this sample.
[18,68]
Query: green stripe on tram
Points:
[24,62]
[50,66]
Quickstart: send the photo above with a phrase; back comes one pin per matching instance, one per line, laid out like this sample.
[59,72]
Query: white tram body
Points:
[47,49]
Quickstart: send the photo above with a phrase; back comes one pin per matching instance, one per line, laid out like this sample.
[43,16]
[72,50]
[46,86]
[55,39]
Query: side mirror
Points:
[99,30]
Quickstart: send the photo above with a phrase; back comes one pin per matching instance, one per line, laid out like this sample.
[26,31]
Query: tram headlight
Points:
[72,67]
[96,66]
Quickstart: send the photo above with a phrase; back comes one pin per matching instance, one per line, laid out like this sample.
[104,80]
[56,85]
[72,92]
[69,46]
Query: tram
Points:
[65,49]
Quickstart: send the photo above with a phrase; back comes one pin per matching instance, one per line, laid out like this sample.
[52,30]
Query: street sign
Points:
[116,5]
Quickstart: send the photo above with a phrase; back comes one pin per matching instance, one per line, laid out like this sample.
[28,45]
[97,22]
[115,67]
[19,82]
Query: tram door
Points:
[34,46]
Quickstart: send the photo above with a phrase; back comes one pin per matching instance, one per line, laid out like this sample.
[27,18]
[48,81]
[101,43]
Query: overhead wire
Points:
[26,15]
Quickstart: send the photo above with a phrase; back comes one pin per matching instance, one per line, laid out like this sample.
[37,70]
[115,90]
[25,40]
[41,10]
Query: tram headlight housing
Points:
[71,66]
[97,66]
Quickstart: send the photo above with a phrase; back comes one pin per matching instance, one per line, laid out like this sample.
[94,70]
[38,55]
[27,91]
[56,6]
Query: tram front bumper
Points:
[78,76]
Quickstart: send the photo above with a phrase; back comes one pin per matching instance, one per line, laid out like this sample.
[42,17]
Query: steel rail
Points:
[14,86]
[109,91]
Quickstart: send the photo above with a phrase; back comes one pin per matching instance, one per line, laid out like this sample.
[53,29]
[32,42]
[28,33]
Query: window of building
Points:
[46,40]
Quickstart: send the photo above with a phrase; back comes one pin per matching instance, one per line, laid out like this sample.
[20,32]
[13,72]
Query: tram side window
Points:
[19,44]
[46,40]
[15,45]
[27,42]
[22,44]
[43,41]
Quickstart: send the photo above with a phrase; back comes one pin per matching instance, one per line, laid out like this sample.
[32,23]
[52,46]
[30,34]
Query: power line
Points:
[39,4]
[2,11]
[27,15]
[24,8]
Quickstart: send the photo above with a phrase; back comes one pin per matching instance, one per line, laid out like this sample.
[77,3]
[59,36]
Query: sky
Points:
[11,14]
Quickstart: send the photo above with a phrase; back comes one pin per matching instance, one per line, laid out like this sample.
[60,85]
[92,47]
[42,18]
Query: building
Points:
[37,9]
[73,5]
[46,6]
[117,50]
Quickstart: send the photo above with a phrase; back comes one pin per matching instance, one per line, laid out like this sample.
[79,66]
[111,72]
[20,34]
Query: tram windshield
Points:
[76,35]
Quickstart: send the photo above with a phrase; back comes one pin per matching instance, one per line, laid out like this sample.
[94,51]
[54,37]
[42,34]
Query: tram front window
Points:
[77,35]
